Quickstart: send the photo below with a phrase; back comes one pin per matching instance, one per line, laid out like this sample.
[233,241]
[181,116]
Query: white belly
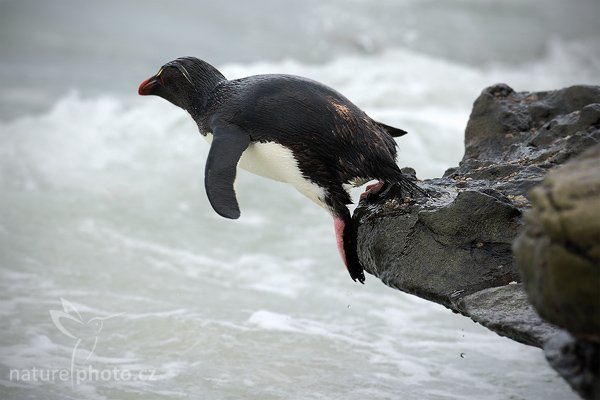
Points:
[277,162]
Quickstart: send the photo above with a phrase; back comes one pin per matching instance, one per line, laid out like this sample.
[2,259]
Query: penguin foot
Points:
[371,189]
[346,244]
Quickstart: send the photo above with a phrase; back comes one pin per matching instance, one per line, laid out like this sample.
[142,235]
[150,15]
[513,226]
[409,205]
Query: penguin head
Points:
[186,82]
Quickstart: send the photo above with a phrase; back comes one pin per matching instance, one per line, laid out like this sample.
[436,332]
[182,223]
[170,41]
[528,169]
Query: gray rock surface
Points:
[578,361]
[455,247]
[457,243]
[505,310]
[558,252]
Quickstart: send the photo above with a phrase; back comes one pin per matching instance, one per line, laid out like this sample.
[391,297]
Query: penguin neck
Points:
[199,99]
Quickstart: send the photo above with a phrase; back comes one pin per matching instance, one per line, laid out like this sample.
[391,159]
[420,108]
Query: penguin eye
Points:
[162,80]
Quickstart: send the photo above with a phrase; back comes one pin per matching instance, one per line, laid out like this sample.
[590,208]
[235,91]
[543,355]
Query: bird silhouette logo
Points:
[85,333]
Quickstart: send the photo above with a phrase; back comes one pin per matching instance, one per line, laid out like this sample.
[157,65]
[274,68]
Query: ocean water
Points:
[118,280]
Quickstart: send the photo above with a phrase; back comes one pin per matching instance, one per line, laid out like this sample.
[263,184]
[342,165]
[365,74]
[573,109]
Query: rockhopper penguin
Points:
[286,128]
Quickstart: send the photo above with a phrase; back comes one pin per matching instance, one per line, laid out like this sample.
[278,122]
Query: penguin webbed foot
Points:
[371,190]
[401,188]
[355,268]
[360,276]
[345,233]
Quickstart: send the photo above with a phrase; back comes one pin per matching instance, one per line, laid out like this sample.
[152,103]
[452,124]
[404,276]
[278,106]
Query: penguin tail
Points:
[394,132]
[409,186]
[405,183]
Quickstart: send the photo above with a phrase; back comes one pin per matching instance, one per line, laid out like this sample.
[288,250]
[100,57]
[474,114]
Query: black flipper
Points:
[229,142]
[395,132]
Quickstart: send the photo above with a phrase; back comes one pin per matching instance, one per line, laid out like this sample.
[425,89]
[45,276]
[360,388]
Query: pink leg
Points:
[346,244]
[374,188]
[339,226]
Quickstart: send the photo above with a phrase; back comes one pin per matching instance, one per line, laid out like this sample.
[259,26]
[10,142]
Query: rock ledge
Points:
[455,248]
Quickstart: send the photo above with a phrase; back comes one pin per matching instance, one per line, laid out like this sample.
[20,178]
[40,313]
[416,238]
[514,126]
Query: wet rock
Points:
[559,251]
[505,310]
[559,256]
[438,243]
[455,247]
[578,361]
